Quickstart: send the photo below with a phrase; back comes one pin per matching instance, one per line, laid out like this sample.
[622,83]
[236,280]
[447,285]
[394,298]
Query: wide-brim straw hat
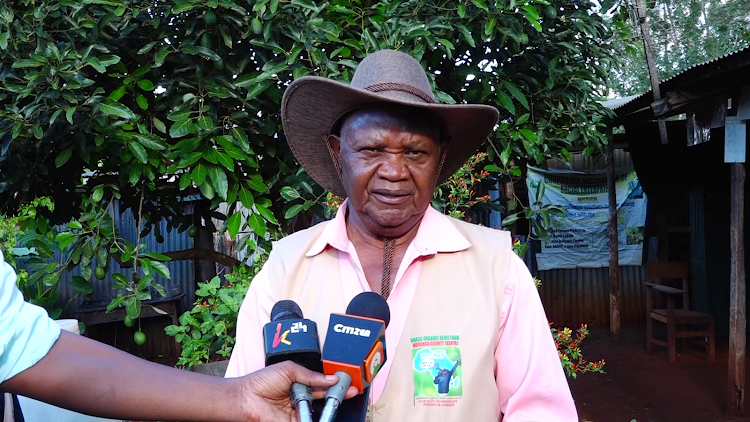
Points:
[312,105]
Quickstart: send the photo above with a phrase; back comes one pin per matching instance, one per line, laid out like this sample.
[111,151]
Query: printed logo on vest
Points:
[437,370]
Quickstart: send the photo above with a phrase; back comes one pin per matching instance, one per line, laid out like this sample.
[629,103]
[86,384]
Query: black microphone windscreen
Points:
[285,309]
[370,305]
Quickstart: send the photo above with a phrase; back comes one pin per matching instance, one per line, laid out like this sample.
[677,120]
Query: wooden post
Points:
[737,321]
[640,10]
[614,259]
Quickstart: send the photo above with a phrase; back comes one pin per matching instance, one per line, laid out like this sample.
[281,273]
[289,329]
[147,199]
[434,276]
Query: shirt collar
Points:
[436,233]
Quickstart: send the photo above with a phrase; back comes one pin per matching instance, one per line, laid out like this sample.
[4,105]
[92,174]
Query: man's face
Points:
[389,165]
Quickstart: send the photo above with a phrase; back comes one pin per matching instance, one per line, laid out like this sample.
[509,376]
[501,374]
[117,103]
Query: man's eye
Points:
[415,153]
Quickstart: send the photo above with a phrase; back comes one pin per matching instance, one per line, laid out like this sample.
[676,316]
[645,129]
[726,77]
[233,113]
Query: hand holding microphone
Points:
[354,349]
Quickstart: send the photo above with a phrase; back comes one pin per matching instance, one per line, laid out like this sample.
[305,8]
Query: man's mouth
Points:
[391,197]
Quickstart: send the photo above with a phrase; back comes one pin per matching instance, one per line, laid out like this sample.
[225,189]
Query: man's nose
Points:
[393,167]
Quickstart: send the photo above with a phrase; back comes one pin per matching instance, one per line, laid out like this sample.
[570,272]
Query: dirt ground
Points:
[646,387]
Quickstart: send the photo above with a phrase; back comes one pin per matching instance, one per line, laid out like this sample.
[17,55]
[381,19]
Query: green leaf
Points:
[151,141]
[69,114]
[189,159]
[3,40]
[481,4]
[233,224]
[226,161]
[159,125]
[289,193]
[530,135]
[63,157]
[109,59]
[507,221]
[146,85]
[133,307]
[266,213]
[185,180]
[81,286]
[161,269]
[115,303]
[207,52]
[199,174]
[219,181]
[157,256]
[255,182]
[258,89]
[257,223]
[246,198]
[120,281]
[142,102]
[449,45]
[181,128]
[177,116]
[183,6]
[24,63]
[506,102]
[161,56]
[136,170]
[138,151]
[118,93]
[293,210]
[461,10]
[98,194]
[307,4]
[96,64]
[75,225]
[207,190]
[146,48]
[530,12]
[65,239]
[114,108]
[513,89]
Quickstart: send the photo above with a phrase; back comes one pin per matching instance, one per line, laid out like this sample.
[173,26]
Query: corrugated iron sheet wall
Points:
[182,273]
[581,295]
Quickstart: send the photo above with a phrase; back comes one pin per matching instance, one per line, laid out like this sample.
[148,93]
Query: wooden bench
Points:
[673,316]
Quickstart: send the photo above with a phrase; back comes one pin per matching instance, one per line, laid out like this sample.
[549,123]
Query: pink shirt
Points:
[531,384]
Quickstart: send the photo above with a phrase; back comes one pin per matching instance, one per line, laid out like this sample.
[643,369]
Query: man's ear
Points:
[334,144]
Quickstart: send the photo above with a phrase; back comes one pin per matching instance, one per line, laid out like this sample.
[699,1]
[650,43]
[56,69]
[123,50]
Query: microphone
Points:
[290,337]
[354,349]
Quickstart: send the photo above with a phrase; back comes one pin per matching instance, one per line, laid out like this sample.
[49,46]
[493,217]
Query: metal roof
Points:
[713,62]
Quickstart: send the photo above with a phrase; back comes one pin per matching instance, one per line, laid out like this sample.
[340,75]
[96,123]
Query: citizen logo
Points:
[341,328]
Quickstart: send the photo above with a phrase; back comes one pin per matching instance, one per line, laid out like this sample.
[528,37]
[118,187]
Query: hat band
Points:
[394,86]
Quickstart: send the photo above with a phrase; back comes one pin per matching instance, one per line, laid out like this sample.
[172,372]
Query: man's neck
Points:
[360,236]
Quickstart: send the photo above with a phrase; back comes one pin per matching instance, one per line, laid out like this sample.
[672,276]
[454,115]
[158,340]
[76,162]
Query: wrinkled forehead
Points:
[404,119]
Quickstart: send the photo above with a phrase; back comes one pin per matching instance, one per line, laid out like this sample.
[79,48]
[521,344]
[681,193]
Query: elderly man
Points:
[456,291]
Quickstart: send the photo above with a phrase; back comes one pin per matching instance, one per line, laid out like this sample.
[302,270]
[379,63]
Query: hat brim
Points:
[311,105]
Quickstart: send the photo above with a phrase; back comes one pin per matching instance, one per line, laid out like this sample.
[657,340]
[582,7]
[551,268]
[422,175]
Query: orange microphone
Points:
[355,346]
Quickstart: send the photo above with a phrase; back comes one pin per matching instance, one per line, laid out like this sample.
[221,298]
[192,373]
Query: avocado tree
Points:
[151,102]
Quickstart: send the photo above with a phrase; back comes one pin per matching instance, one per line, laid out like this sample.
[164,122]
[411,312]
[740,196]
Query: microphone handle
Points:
[335,396]
[302,399]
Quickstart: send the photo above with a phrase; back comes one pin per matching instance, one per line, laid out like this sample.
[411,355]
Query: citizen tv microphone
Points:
[290,337]
[355,349]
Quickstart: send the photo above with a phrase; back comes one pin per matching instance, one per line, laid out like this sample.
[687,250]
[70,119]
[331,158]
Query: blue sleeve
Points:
[26,331]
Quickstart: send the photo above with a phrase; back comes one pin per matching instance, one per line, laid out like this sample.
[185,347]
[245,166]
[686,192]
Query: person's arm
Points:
[248,354]
[455,366]
[92,378]
[531,382]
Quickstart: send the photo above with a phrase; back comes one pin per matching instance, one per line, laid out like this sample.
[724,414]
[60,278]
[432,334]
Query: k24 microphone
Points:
[290,337]
[355,346]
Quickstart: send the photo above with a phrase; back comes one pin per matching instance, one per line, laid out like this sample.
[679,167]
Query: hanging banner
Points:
[579,240]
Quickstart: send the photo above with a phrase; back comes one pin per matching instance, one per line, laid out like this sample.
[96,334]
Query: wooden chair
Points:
[656,273]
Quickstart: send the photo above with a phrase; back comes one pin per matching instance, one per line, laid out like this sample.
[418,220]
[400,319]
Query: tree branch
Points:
[187,254]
